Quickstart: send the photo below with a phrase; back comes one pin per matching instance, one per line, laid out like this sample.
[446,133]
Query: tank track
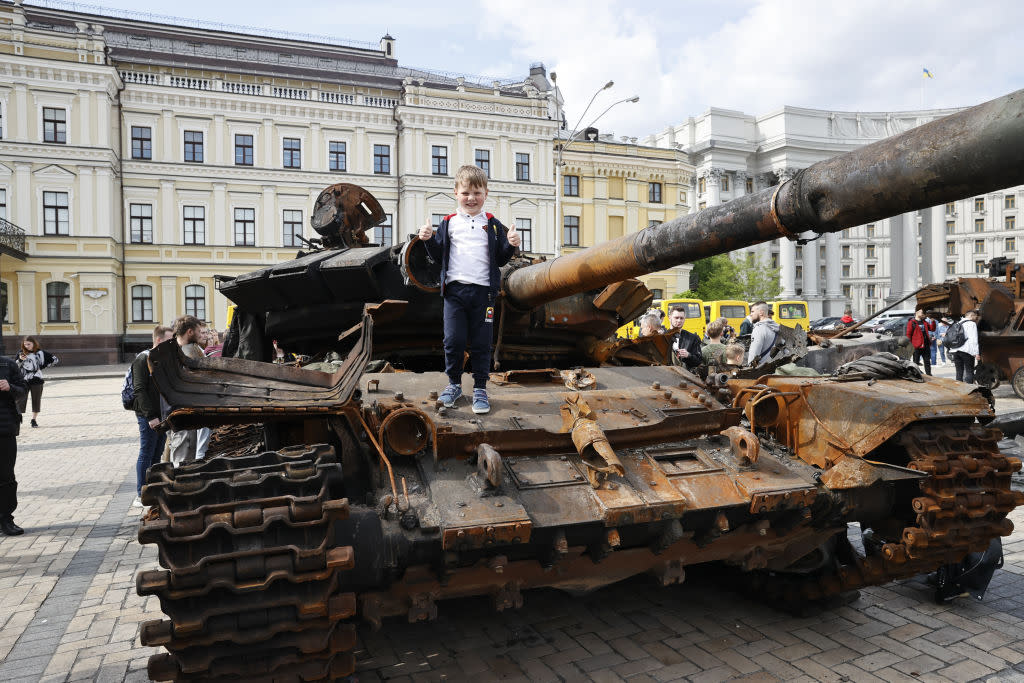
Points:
[962,506]
[251,589]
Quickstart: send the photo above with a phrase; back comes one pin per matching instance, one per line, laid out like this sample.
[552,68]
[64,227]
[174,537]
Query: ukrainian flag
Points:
[928,74]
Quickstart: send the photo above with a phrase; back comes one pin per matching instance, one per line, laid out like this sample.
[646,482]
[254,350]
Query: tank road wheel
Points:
[987,375]
[251,589]
[1018,382]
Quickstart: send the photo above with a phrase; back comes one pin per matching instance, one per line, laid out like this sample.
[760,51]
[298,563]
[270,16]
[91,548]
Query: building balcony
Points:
[12,240]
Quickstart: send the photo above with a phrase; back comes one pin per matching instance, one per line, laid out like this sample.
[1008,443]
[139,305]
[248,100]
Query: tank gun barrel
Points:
[971,152]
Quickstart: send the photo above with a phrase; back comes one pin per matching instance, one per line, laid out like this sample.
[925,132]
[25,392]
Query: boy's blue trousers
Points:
[466,326]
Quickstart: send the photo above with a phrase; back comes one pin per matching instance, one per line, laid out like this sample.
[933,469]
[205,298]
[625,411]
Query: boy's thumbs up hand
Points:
[513,237]
[426,231]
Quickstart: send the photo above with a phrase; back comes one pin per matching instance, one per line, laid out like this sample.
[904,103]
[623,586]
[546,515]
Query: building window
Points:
[3,203]
[702,185]
[4,310]
[654,193]
[524,226]
[979,246]
[571,231]
[846,251]
[291,151]
[195,301]
[337,157]
[1010,201]
[800,273]
[482,158]
[435,219]
[651,223]
[1,138]
[871,270]
[1010,244]
[951,209]
[870,251]
[846,233]
[194,146]
[243,150]
[383,233]
[142,304]
[872,308]
[58,302]
[55,125]
[871,291]
[979,204]
[979,225]
[141,223]
[195,224]
[142,142]
[846,271]
[725,183]
[979,268]
[382,158]
[750,185]
[950,267]
[1010,222]
[870,229]
[847,290]
[438,160]
[950,227]
[292,228]
[950,248]
[702,206]
[55,213]
[523,167]
[775,261]
[245,227]
[571,185]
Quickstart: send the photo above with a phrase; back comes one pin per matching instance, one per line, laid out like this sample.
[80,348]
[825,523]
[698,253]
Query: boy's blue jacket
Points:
[439,246]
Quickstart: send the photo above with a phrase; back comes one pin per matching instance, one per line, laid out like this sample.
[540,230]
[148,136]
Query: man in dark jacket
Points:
[12,391]
[147,412]
[686,346]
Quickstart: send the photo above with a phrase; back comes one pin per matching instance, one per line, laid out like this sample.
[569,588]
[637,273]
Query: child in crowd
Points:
[470,245]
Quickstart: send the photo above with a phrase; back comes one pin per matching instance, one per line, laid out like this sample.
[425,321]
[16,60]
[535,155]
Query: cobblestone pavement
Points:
[69,611]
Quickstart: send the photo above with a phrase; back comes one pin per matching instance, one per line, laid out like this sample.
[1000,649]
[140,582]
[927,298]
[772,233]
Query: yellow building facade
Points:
[611,188]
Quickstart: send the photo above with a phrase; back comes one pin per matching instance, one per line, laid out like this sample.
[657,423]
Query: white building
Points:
[866,266]
[142,158]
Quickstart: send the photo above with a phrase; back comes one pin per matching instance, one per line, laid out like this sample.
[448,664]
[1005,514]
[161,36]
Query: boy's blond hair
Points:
[470,176]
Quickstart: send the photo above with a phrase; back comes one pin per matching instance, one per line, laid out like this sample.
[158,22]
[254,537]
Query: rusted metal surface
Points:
[999,299]
[343,213]
[591,443]
[969,153]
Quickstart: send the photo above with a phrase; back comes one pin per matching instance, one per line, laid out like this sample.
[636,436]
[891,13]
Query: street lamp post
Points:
[568,142]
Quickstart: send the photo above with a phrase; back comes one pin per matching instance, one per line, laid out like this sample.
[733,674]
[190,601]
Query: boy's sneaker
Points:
[481,406]
[137,503]
[451,394]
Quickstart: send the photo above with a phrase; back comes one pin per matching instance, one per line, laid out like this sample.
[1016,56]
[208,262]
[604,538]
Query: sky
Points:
[680,57]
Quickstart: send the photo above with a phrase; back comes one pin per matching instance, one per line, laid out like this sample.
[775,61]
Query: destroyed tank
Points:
[372,502]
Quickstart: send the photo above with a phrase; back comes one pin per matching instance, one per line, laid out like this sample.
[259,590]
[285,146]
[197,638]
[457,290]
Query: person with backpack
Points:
[32,359]
[920,339]
[962,343]
[140,395]
[763,335]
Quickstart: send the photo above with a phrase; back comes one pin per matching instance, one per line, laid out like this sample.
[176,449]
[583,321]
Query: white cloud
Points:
[866,55]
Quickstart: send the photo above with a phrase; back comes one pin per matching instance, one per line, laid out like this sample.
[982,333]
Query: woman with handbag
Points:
[32,359]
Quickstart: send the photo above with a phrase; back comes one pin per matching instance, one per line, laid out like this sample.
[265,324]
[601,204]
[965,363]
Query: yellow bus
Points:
[791,314]
[694,317]
[732,310]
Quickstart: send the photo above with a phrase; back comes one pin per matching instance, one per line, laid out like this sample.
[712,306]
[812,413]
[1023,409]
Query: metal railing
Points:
[12,240]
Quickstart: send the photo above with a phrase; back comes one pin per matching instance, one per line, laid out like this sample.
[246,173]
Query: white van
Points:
[889,315]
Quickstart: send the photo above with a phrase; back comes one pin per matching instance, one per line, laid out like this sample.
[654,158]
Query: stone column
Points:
[892,227]
[218,231]
[937,229]
[170,151]
[833,274]
[787,267]
[104,225]
[714,182]
[692,195]
[20,202]
[82,136]
[19,125]
[217,142]
[314,160]
[169,299]
[910,258]
[165,230]
[361,159]
[264,235]
[83,221]
[25,300]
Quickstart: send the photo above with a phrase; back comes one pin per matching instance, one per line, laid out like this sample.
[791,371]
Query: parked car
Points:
[894,327]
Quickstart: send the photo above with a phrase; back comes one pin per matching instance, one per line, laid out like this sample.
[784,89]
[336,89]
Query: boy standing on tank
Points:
[471,245]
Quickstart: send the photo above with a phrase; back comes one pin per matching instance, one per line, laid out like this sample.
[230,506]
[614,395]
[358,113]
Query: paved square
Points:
[69,611]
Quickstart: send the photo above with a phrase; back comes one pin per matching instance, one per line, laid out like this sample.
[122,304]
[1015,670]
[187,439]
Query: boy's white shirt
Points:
[469,259]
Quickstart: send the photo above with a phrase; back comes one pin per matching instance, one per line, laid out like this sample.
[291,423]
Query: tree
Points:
[722,277]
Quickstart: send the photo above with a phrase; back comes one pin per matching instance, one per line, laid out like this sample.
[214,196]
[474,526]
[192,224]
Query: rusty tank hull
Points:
[369,501]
